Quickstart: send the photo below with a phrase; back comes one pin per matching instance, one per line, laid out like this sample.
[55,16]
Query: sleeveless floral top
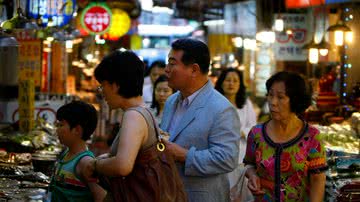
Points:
[284,168]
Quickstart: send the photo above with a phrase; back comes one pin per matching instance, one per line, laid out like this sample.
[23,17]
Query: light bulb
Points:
[313,55]
[349,37]
[279,24]
[323,51]
[339,38]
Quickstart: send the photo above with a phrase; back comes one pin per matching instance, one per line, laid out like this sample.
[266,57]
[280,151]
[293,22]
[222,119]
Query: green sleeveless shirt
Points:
[66,185]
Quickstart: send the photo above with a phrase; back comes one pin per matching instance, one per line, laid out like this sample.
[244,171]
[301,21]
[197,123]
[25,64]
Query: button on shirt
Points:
[181,108]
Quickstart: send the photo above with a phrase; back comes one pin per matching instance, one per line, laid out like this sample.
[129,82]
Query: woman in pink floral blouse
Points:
[285,157]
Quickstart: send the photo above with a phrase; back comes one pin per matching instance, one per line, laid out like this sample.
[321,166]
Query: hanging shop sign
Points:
[60,12]
[288,47]
[96,18]
[310,3]
[26,101]
[121,23]
[29,60]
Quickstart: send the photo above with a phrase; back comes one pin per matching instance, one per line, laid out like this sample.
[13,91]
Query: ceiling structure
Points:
[199,10]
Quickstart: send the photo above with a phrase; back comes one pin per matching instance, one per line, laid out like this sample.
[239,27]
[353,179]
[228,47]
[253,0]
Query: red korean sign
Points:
[96,18]
[303,3]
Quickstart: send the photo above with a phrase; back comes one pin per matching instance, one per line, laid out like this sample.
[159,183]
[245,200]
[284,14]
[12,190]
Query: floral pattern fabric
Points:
[284,168]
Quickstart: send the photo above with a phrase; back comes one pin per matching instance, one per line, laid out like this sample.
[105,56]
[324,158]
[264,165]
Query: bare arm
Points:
[133,134]
[317,187]
[98,193]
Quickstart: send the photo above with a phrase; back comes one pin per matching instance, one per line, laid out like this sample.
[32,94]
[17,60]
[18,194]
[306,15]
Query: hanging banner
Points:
[29,60]
[26,101]
[96,18]
[59,11]
[58,68]
[288,46]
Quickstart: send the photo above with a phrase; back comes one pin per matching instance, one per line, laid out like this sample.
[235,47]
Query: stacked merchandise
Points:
[26,162]
[342,142]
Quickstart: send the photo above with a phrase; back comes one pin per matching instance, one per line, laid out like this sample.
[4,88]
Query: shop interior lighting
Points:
[146,42]
[164,30]
[146,5]
[237,41]
[313,51]
[214,22]
[323,47]
[50,38]
[160,9]
[231,57]
[313,55]
[217,58]
[341,31]
[217,65]
[349,37]
[266,36]
[89,56]
[250,44]
[279,24]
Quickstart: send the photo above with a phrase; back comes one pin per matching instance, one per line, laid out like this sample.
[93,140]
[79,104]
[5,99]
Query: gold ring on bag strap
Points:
[160,146]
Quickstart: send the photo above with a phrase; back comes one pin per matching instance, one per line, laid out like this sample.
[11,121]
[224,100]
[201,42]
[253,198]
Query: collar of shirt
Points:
[185,102]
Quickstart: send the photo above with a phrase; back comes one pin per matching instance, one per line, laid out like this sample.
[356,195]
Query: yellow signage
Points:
[120,25]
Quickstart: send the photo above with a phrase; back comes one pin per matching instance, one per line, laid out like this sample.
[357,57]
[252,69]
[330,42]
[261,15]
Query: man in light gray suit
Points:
[203,125]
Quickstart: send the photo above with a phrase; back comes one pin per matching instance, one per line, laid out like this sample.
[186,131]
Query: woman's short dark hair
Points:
[79,113]
[296,90]
[125,69]
[195,51]
[241,94]
[155,103]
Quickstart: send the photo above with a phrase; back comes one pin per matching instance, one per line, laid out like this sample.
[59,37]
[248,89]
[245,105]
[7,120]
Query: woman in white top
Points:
[230,83]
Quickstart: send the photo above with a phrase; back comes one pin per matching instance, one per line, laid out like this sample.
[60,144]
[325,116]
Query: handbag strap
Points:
[156,127]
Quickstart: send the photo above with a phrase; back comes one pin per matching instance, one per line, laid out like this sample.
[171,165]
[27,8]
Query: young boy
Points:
[76,121]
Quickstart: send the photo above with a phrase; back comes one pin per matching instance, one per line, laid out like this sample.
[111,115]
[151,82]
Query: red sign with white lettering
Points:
[303,3]
[96,18]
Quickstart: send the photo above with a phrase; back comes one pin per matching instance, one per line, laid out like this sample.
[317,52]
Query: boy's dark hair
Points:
[240,98]
[125,69]
[296,90]
[79,113]
[195,51]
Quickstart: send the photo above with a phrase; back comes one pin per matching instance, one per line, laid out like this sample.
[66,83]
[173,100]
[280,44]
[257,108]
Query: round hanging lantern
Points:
[121,24]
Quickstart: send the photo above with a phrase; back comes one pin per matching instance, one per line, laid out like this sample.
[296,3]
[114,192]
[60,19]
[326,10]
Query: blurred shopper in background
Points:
[161,92]
[135,146]
[285,156]
[203,125]
[231,84]
[155,70]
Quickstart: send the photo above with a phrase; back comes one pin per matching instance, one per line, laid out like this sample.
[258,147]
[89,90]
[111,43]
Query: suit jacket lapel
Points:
[166,120]
[191,113]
